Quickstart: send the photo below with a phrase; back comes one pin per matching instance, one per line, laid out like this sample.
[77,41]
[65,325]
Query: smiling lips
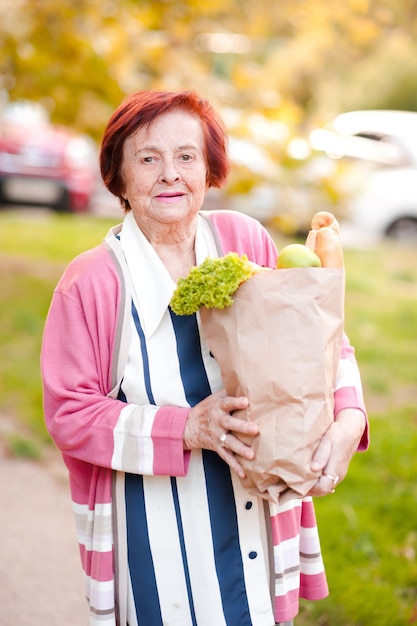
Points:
[170,196]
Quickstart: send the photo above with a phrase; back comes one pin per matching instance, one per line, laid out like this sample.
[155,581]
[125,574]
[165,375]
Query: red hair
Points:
[140,109]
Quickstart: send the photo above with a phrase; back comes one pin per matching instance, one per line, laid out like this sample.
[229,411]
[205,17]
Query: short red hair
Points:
[141,109]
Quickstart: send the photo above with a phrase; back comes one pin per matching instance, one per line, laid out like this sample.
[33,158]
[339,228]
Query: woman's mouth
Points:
[170,197]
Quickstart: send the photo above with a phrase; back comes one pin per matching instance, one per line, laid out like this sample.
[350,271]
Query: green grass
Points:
[368,532]
[368,528]
[51,237]
[34,250]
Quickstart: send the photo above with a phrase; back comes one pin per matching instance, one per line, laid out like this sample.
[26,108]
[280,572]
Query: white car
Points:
[384,144]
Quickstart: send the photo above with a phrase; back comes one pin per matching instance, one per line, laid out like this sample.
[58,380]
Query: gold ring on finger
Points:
[334,479]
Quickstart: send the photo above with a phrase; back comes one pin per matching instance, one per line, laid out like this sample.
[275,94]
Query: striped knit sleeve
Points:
[348,393]
[148,440]
[298,563]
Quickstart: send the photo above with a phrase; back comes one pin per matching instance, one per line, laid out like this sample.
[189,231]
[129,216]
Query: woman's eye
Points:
[147,159]
[186,157]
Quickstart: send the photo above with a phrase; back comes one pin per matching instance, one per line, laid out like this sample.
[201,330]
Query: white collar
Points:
[151,282]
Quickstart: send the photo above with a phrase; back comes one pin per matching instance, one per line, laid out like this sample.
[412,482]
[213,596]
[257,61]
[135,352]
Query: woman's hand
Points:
[336,449]
[209,426]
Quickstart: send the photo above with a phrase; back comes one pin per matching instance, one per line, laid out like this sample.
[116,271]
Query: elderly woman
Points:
[134,399]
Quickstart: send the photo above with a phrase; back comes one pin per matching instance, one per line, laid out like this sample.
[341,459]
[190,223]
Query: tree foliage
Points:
[293,61]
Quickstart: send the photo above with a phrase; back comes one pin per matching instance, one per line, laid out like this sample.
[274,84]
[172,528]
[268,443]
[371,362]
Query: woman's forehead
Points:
[177,127]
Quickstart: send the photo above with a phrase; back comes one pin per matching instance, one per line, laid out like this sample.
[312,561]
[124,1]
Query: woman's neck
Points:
[178,258]
[175,246]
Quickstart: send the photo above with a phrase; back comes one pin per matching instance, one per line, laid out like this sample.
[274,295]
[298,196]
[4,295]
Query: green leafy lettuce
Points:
[211,284]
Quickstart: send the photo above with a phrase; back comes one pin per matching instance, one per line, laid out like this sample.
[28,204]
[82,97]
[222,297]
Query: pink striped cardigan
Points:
[83,359]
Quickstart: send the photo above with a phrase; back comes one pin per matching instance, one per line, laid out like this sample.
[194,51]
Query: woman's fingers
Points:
[229,441]
[211,425]
[230,449]
[336,449]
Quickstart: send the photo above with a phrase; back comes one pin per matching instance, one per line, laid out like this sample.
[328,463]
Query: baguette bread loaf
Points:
[324,240]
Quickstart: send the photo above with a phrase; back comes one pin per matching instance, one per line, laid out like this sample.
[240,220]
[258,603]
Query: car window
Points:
[378,149]
[383,148]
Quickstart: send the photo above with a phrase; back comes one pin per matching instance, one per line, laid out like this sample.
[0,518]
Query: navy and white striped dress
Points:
[196,546]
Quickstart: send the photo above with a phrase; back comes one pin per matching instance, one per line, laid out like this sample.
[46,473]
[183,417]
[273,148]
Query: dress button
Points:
[253,555]
[248,505]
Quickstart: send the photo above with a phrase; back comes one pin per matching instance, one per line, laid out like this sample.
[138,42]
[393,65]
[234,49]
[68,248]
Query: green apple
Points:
[297,255]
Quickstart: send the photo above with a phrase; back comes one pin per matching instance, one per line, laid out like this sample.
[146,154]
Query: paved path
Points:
[40,573]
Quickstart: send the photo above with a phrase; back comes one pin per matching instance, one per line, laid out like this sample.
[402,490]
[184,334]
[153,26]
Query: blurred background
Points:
[280,73]
[320,100]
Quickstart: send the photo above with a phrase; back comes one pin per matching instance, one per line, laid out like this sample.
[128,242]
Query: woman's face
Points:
[164,170]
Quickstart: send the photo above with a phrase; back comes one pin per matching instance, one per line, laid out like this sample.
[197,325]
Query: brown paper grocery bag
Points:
[279,344]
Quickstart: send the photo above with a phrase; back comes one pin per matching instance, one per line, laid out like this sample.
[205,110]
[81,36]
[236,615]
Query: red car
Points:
[45,165]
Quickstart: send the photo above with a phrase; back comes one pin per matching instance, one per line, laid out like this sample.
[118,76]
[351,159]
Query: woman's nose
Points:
[169,172]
